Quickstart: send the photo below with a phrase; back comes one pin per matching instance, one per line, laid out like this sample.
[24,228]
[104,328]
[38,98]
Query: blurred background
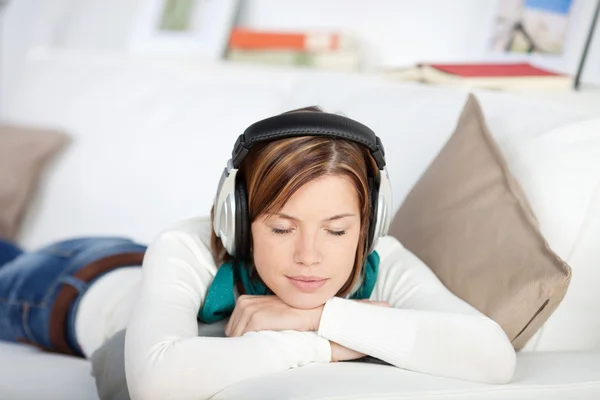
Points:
[378,36]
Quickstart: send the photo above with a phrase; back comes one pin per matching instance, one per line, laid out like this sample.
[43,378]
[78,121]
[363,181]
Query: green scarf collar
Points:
[220,299]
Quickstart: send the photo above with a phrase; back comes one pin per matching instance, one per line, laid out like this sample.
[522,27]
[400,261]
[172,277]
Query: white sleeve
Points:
[428,329]
[165,358]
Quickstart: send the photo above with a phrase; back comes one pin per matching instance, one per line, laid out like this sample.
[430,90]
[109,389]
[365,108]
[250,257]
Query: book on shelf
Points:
[312,41]
[495,76]
[339,61]
[315,49]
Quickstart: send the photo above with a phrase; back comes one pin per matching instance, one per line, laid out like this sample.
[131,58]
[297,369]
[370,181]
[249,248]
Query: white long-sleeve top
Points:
[427,329]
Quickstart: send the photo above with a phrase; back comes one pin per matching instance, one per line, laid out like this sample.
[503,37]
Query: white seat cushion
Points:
[29,373]
[540,375]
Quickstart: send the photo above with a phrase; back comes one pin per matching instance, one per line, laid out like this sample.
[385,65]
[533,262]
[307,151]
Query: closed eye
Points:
[281,231]
[337,233]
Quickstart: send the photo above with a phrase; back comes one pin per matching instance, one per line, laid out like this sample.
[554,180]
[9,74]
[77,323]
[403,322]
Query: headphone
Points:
[231,219]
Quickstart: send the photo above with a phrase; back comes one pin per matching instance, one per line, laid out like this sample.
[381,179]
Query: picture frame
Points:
[532,26]
[588,72]
[194,28]
[568,59]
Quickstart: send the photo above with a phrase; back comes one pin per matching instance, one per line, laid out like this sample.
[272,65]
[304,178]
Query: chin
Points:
[305,301]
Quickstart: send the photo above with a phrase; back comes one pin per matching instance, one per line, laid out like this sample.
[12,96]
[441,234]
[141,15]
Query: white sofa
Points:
[149,141]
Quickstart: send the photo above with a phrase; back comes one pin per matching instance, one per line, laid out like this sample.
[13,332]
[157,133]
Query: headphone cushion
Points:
[373,199]
[242,228]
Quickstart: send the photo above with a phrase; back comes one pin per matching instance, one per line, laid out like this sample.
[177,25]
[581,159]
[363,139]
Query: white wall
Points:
[26,24]
[394,32]
[403,32]
[22,23]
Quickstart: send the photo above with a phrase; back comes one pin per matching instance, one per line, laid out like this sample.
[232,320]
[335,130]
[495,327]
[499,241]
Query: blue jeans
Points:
[40,290]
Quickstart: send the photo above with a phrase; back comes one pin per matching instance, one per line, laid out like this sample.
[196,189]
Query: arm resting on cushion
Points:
[165,358]
[427,328]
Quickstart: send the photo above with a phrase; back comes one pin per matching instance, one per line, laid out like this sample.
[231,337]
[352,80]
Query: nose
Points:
[306,250]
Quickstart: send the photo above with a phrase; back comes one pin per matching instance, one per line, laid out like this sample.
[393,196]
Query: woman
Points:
[296,263]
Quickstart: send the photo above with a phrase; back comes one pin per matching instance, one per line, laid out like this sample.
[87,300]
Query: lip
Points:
[307,283]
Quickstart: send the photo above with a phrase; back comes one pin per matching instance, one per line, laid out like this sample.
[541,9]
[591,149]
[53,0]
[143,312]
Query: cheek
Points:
[269,254]
[341,254]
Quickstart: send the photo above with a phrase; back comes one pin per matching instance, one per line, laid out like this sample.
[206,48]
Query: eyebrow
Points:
[335,217]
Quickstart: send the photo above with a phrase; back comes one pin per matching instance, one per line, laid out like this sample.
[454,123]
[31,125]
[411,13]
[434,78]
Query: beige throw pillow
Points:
[24,152]
[469,221]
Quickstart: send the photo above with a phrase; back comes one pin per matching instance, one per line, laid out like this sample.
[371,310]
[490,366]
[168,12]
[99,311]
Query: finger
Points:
[380,303]
[250,318]
[239,318]
[242,322]
[231,323]
[375,303]
[245,307]
[240,303]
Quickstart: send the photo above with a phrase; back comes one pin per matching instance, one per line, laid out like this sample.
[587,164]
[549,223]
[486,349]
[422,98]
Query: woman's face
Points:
[305,253]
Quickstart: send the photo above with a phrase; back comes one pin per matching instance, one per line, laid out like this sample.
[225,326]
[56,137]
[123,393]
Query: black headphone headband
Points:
[231,221]
[307,124]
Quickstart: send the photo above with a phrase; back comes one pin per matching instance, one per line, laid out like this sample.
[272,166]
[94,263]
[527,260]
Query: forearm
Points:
[164,356]
[197,368]
[461,346]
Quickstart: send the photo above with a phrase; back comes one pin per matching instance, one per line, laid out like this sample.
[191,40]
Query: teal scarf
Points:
[220,299]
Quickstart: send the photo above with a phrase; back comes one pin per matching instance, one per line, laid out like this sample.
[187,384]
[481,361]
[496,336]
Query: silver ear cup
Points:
[384,208]
[224,209]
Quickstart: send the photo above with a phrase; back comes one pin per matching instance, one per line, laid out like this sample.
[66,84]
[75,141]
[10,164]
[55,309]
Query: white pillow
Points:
[559,172]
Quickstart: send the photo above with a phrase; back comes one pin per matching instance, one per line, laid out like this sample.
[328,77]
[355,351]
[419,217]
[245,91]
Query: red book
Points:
[493,70]
[495,76]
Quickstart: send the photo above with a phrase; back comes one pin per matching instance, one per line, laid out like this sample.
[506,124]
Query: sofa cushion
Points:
[469,221]
[30,373]
[547,375]
[24,152]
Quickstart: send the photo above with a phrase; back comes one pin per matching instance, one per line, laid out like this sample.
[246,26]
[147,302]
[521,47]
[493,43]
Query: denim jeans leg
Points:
[30,283]
[24,282]
[8,251]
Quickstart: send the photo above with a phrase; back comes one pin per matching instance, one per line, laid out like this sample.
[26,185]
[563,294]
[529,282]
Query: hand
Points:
[269,313]
[342,353]
[374,303]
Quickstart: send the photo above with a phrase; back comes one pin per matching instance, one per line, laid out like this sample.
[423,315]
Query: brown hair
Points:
[274,171]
